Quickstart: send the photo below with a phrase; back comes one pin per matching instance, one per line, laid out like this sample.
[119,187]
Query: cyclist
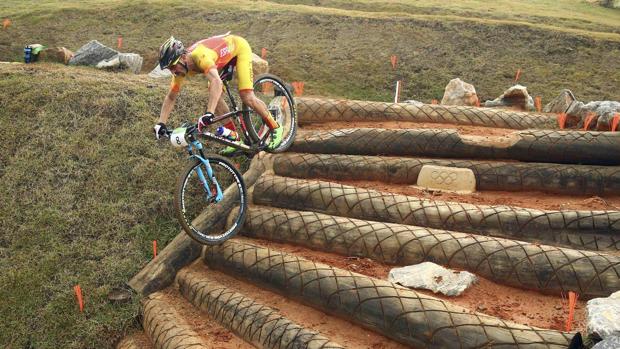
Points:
[206,57]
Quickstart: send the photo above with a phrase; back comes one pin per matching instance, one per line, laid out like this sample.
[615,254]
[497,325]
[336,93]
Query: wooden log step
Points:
[542,268]
[570,147]
[323,110]
[399,313]
[596,230]
[256,323]
[490,175]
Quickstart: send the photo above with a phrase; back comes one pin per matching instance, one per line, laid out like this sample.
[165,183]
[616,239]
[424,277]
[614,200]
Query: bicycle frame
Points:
[236,113]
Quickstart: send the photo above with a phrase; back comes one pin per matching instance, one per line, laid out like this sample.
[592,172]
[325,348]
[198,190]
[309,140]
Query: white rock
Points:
[458,92]
[433,277]
[604,316]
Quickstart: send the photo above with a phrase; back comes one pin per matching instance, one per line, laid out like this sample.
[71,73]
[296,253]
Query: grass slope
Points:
[85,190]
[344,50]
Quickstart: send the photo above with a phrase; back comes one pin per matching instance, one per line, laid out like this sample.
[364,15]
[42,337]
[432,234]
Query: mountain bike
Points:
[210,187]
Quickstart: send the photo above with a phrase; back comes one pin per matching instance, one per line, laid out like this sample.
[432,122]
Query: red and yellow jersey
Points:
[216,52]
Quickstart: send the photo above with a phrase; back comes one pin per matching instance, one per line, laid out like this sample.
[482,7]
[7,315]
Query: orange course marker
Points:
[298,86]
[434,101]
[588,120]
[154,248]
[562,120]
[538,103]
[119,42]
[78,295]
[518,75]
[267,87]
[614,122]
[393,60]
[6,23]
[572,301]
[263,53]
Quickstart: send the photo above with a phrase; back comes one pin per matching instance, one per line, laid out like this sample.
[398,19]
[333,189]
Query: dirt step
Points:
[266,320]
[322,110]
[172,322]
[399,313]
[595,230]
[570,147]
[490,175]
[538,267]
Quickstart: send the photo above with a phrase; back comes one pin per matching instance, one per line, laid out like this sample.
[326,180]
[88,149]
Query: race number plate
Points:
[177,138]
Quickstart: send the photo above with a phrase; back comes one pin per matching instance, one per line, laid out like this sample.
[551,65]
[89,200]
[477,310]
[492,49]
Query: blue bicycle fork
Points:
[210,177]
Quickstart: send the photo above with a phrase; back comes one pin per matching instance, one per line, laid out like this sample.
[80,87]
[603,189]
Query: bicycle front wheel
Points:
[211,200]
[271,90]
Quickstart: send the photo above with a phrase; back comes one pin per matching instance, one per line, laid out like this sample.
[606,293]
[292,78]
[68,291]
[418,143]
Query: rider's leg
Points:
[245,76]
[222,108]
[249,99]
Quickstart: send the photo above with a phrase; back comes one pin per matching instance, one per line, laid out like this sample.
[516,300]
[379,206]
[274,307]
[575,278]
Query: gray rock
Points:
[603,316]
[458,92]
[611,342]
[158,73]
[561,103]
[516,96]
[129,61]
[433,277]
[92,53]
[577,111]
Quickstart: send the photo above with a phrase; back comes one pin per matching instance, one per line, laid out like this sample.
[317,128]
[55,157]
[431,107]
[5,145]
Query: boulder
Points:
[611,342]
[158,73]
[56,54]
[610,4]
[603,316]
[514,97]
[433,277]
[92,53]
[458,92]
[577,111]
[259,65]
[122,61]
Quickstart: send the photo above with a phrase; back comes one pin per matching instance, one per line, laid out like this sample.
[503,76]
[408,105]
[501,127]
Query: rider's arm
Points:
[215,88]
[168,104]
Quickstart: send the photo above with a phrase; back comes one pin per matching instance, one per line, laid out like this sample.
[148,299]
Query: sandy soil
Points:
[508,303]
[462,129]
[531,199]
[335,329]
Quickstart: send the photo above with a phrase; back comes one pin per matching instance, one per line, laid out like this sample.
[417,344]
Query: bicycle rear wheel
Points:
[206,199]
[279,101]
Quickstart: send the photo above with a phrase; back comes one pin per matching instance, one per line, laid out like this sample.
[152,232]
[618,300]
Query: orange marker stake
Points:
[588,120]
[434,101]
[572,301]
[562,120]
[518,75]
[538,104]
[393,60]
[119,42]
[78,295]
[298,86]
[263,53]
[614,122]
[477,102]
[6,23]
[154,248]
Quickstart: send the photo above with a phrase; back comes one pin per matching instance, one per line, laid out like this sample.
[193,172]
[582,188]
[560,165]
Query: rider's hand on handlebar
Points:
[160,130]
[205,120]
